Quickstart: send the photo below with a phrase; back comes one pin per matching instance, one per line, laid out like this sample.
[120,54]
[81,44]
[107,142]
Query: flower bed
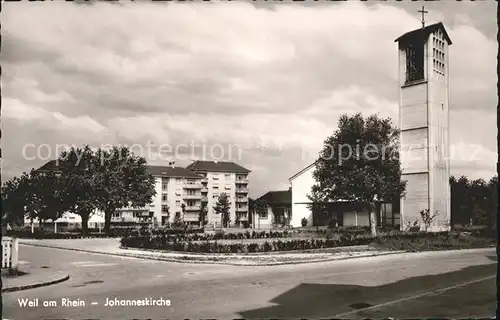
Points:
[435,241]
[390,240]
[176,237]
[162,243]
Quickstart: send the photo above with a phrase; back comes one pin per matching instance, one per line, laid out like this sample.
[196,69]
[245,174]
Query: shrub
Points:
[267,247]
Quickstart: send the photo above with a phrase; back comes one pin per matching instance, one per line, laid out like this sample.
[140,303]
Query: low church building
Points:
[343,213]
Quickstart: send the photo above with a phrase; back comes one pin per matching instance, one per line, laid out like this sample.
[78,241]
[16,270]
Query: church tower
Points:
[424,124]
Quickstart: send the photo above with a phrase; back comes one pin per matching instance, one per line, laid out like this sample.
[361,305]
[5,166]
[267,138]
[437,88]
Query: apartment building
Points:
[178,193]
[224,177]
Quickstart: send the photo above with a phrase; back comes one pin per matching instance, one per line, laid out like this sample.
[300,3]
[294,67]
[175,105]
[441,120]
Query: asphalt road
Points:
[409,285]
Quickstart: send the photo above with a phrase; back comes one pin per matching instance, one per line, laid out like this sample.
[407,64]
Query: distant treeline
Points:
[474,201]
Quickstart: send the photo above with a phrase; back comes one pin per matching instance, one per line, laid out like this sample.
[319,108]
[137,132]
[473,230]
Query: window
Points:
[190,204]
[227,176]
[164,221]
[164,209]
[264,215]
[438,56]
[388,216]
[227,187]
[215,196]
[164,197]
[215,177]
[178,203]
[415,62]
[178,181]
[216,188]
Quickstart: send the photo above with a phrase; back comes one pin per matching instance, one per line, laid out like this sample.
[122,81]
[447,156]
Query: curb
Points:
[177,260]
[62,278]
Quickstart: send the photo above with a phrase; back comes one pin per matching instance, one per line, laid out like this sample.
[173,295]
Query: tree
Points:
[183,208]
[222,207]
[492,204]
[177,220]
[461,203]
[78,169]
[318,204]
[360,163]
[202,215]
[47,196]
[14,199]
[261,207]
[122,180]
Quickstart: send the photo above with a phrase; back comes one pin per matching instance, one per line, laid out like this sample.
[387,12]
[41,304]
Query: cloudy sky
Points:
[260,84]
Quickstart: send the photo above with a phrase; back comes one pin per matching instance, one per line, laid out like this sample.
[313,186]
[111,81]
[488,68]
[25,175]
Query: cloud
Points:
[213,73]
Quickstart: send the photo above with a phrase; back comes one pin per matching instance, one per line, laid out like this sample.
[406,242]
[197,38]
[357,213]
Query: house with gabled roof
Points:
[279,210]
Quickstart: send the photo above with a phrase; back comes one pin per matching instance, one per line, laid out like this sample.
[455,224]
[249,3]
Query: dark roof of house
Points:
[157,171]
[278,197]
[217,166]
[426,31]
[171,172]
[52,165]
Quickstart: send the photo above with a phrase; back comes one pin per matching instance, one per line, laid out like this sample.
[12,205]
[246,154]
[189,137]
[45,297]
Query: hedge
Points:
[161,243]
[395,240]
[176,237]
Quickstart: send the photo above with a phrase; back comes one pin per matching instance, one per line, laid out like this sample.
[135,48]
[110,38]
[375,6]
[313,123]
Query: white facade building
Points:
[424,123]
[223,177]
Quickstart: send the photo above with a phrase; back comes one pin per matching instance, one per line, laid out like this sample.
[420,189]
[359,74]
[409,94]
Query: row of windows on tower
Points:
[438,58]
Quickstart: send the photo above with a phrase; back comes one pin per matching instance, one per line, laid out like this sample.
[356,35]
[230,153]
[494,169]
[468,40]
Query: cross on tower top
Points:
[423,11]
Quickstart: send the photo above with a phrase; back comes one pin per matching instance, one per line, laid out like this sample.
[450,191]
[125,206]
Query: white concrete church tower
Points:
[424,124]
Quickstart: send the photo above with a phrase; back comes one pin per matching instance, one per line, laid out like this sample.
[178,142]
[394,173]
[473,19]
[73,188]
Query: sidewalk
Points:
[34,278]
[112,247]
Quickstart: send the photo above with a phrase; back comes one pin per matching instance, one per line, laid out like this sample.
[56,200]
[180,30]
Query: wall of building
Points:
[225,182]
[155,205]
[439,136]
[424,109]
[414,145]
[264,222]
[356,219]
[301,187]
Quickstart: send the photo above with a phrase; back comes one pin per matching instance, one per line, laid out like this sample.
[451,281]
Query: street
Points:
[436,284]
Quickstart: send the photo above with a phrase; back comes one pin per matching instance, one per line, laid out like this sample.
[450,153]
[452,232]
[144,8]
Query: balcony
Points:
[190,217]
[241,190]
[204,180]
[245,209]
[192,208]
[242,181]
[241,200]
[192,186]
[204,189]
[243,217]
[192,196]
[204,199]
